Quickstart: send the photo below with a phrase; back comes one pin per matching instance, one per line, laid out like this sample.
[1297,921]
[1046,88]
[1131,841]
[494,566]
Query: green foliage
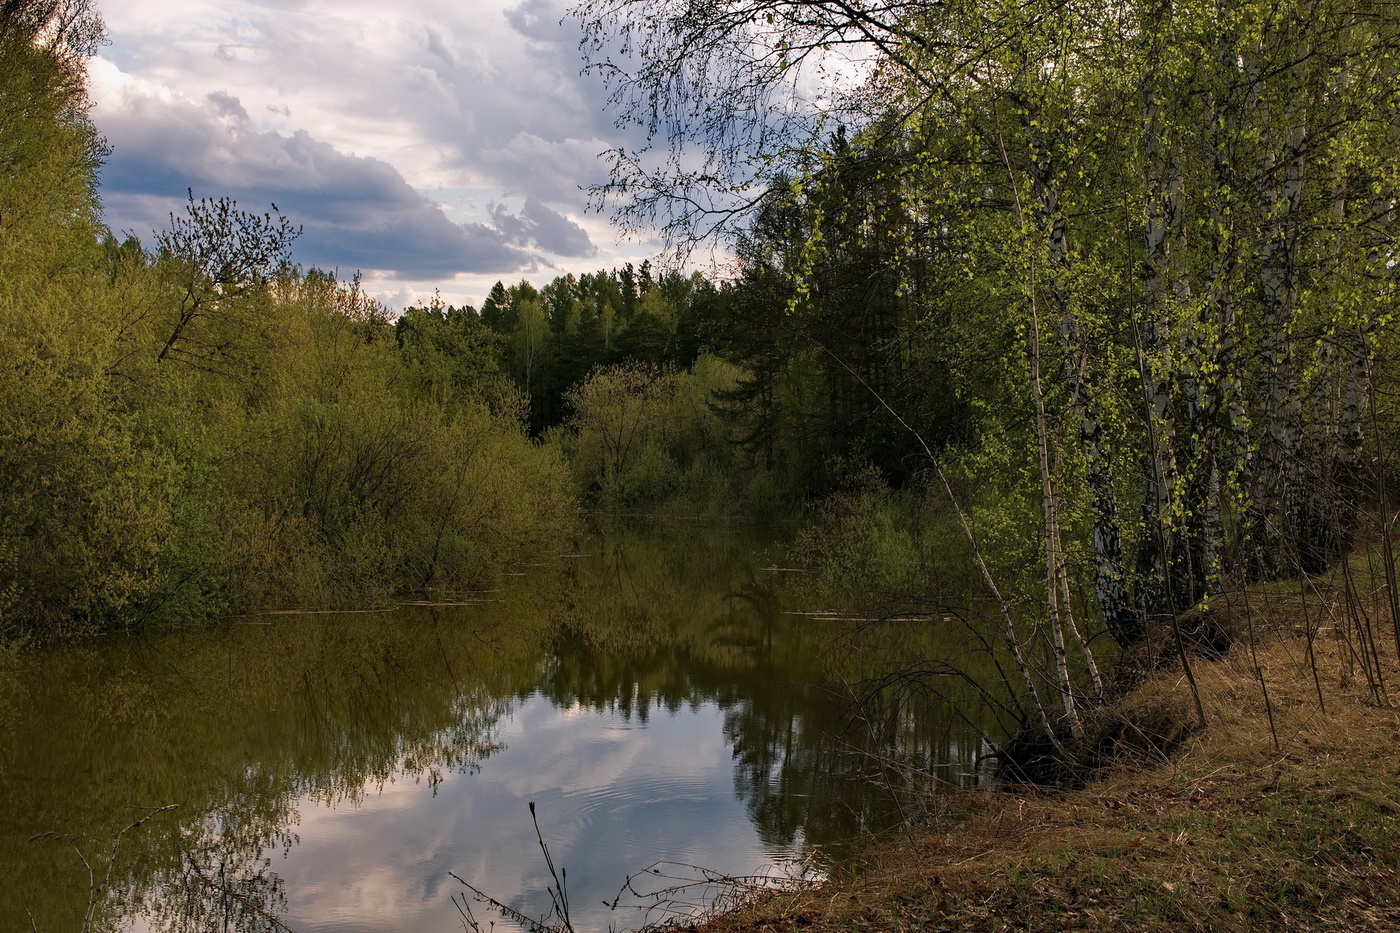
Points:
[202,428]
[867,543]
[86,506]
[451,356]
[1151,244]
[641,436]
[373,466]
[857,541]
[545,342]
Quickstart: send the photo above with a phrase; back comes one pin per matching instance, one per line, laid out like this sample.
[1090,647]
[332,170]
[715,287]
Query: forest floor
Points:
[1236,831]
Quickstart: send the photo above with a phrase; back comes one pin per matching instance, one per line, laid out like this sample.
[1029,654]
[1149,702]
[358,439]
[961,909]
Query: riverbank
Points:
[1234,832]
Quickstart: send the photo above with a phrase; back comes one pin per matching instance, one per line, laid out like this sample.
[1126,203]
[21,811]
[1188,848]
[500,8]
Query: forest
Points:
[1117,279]
[1081,310]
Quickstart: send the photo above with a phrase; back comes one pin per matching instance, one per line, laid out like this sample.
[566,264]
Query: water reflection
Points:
[656,698]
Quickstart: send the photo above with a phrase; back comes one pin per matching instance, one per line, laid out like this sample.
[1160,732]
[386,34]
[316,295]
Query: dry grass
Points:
[1233,833]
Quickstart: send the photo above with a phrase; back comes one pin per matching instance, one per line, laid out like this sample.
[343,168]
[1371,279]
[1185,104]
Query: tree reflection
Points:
[238,727]
[218,889]
[817,760]
[242,727]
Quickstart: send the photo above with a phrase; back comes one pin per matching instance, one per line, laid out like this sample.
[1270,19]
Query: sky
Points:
[427,144]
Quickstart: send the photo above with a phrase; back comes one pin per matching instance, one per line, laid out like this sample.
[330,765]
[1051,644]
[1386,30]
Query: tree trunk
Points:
[1275,522]
[1120,616]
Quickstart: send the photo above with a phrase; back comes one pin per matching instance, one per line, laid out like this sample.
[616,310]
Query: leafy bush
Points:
[641,437]
[860,539]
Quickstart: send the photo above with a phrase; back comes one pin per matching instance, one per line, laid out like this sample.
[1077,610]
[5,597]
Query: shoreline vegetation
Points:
[1283,814]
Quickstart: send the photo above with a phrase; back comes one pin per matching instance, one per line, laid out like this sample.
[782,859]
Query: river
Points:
[661,694]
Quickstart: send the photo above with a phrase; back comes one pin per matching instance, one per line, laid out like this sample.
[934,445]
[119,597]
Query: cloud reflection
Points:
[611,798]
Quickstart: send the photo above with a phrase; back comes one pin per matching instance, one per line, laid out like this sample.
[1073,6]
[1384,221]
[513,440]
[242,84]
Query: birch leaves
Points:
[1162,234]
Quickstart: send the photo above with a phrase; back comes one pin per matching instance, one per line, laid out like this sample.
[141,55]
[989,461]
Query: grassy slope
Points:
[1231,834]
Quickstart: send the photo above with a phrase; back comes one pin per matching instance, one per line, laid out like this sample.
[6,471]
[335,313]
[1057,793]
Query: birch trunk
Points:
[1055,583]
[1352,363]
[1274,527]
[1355,348]
[1348,436]
[1168,291]
[1120,616]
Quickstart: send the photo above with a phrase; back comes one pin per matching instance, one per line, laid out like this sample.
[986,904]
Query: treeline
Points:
[196,426]
[616,371]
[785,393]
[547,340]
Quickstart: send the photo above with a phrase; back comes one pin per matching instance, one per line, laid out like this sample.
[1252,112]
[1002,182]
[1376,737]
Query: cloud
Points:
[434,43]
[537,225]
[356,212]
[549,169]
[539,20]
[351,115]
[228,106]
[434,88]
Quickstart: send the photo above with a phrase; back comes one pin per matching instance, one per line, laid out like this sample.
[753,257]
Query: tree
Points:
[531,338]
[616,410]
[498,311]
[726,89]
[86,502]
[451,356]
[215,256]
[67,30]
[1171,225]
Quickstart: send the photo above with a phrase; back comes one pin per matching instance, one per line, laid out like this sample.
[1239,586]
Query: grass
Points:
[1232,833]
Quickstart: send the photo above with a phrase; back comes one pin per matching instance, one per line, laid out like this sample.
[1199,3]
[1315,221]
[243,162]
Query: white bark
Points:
[1109,578]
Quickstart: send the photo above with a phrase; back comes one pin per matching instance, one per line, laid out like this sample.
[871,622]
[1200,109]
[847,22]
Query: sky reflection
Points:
[331,770]
[613,796]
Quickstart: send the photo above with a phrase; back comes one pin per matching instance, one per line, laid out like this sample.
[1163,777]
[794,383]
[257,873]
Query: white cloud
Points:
[349,116]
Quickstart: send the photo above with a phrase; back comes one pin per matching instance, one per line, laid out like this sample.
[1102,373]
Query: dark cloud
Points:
[228,106]
[483,101]
[540,20]
[524,114]
[548,169]
[546,229]
[356,212]
[434,43]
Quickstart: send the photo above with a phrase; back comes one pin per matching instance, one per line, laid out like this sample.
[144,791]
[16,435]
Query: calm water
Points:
[658,694]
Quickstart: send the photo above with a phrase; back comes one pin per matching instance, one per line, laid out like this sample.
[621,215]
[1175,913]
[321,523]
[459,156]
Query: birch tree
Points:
[1183,211]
